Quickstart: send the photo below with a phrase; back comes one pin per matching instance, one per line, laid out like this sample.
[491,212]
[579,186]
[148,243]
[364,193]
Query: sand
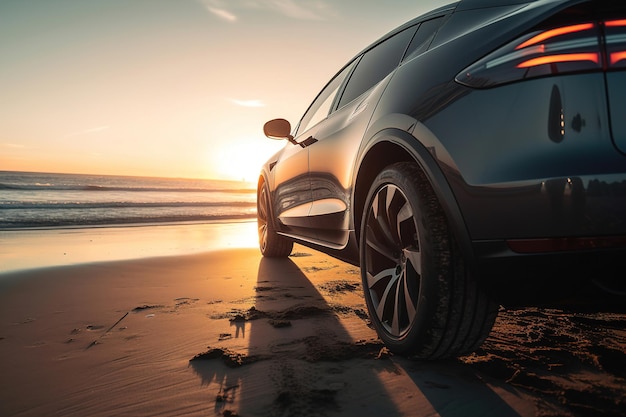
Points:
[226,333]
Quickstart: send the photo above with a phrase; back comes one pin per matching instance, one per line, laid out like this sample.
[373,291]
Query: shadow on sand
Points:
[300,360]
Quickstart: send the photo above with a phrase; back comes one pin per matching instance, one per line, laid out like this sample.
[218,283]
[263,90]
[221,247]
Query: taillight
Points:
[561,50]
[615,34]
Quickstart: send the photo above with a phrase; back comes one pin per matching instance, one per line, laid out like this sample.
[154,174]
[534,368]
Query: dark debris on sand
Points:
[317,349]
[291,313]
[146,307]
[228,357]
[340,287]
[282,319]
[576,360]
[300,254]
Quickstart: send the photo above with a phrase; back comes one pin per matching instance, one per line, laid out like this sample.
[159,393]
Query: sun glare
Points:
[243,161]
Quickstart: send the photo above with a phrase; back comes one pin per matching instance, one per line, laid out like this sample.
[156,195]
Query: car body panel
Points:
[292,197]
[514,167]
[331,177]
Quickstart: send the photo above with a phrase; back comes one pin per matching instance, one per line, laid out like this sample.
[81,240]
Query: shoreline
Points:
[26,249]
[213,220]
[163,221]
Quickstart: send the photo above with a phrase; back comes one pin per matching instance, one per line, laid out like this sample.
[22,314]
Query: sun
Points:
[242,161]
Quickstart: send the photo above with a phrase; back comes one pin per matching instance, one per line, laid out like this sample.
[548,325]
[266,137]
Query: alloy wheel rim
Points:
[393,260]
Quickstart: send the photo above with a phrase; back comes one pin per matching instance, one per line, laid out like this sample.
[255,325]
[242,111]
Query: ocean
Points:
[41,200]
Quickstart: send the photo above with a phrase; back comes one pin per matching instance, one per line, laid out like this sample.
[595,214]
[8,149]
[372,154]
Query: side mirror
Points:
[278,129]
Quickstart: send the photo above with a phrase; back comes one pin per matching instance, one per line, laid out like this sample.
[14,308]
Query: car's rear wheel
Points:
[422,300]
[272,244]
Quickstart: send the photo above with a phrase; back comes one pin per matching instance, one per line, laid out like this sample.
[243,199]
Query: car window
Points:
[422,39]
[376,64]
[322,105]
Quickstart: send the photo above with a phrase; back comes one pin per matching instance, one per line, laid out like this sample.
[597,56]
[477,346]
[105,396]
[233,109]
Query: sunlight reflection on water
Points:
[28,249]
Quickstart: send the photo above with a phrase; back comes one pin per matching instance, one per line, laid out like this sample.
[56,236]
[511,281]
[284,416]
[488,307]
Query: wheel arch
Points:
[393,145]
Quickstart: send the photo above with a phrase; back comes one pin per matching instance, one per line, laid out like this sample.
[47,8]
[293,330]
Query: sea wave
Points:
[61,205]
[44,223]
[104,188]
[43,200]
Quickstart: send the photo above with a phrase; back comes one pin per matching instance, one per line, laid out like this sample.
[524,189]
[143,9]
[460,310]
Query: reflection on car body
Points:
[472,157]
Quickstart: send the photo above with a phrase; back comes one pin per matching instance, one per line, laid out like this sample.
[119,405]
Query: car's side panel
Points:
[332,164]
[291,194]
[333,148]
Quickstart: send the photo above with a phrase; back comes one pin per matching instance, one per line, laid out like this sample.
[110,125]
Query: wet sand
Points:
[227,333]
[38,248]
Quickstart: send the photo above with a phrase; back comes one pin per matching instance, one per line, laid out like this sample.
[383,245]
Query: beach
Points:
[189,319]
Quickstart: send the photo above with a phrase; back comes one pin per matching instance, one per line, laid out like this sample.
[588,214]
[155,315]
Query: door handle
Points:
[308,141]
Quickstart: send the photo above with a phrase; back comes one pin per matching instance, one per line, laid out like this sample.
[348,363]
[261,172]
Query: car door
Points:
[331,157]
[292,196]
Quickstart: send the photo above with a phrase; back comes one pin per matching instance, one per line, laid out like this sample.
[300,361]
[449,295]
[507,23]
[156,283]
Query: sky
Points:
[170,88]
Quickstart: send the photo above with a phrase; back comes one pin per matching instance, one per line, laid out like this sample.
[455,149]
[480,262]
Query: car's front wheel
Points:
[272,244]
[422,300]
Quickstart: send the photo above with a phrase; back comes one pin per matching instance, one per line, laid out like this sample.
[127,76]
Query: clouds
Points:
[300,10]
[221,13]
[248,103]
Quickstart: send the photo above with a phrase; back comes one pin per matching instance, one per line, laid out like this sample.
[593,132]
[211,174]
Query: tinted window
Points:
[376,64]
[423,37]
[321,106]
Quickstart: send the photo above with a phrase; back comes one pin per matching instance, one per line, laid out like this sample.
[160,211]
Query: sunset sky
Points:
[175,88]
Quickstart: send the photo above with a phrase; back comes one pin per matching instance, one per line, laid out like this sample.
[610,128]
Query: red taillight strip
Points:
[615,36]
[555,32]
[553,59]
[617,57]
[615,23]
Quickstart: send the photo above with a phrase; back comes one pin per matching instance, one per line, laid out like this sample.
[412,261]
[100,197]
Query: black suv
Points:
[472,157]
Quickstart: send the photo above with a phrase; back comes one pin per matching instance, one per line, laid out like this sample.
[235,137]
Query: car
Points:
[472,158]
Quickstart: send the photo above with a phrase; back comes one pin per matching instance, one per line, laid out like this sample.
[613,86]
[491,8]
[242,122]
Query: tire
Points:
[272,244]
[421,299]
